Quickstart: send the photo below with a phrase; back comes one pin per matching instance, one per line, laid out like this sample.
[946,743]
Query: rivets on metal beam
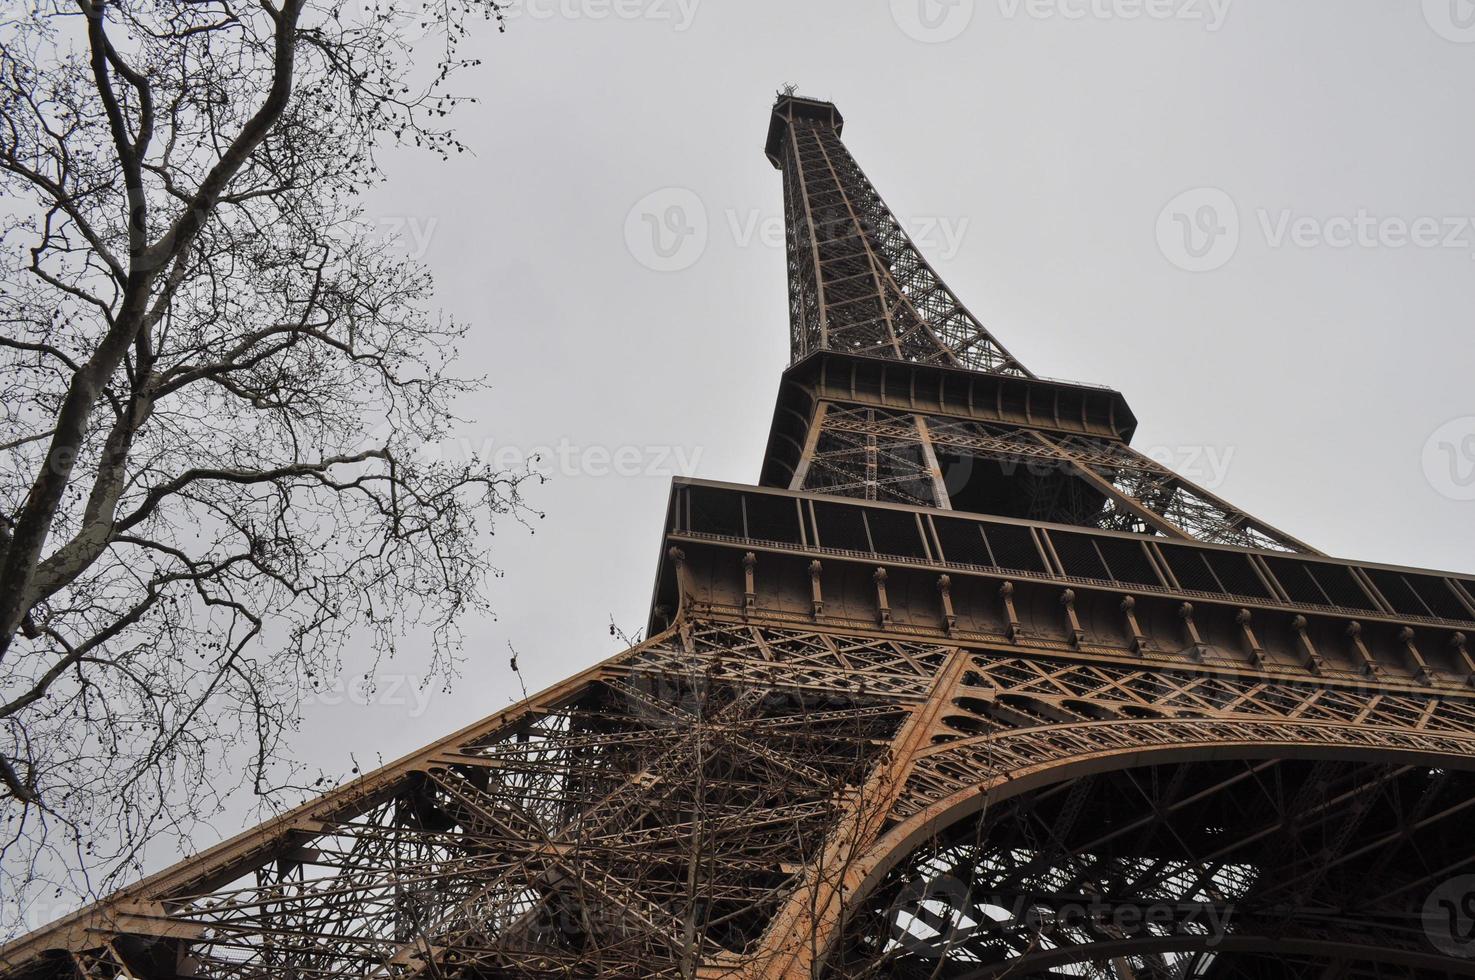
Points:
[1073,621]
[683,584]
[1426,674]
[1134,629]
[1011,615]
[1197,648]
[1370,665]
[883,606]
[816,596]
[1252,642]
[750,594]
[1462,655]
[945,593]
[1313,661]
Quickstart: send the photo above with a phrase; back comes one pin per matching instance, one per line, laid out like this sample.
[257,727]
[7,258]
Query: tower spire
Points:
[877,337]
[858,284]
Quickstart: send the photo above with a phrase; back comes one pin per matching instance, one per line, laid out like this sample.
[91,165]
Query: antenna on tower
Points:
[789,88]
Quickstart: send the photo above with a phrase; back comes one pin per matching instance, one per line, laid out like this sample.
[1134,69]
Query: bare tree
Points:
[214,375]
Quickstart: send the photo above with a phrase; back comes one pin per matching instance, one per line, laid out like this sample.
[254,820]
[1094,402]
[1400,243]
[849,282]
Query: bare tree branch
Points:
[217,381]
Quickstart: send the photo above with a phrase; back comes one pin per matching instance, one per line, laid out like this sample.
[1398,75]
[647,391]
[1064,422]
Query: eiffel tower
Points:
[965,687]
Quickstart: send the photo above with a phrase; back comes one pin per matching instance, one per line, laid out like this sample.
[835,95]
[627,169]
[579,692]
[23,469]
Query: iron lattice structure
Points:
[966,687]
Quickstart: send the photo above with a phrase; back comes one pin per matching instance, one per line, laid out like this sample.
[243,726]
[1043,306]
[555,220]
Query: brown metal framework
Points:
[857,284]
[967,688]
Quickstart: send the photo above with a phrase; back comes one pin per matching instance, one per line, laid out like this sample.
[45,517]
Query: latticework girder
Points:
[733,799]
[1181,871]
[858,284]
[636,821]
[939,461]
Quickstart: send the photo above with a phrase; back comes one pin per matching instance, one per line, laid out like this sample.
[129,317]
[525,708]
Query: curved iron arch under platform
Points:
[1318,863]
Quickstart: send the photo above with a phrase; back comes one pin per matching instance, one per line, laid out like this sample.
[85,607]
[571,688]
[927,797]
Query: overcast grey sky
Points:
[1041,150]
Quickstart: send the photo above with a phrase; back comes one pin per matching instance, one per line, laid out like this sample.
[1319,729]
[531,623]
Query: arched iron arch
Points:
[1324,951]
[1460,754]
[1388,749]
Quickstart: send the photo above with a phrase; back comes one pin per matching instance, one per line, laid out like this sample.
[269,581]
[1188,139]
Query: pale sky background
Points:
[1037,151]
